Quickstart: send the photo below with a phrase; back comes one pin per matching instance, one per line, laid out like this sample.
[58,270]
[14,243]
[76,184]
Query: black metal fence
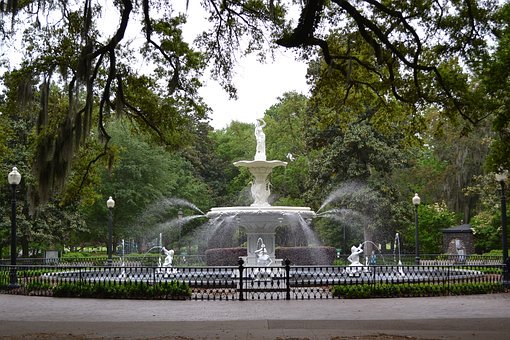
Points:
[245,283]
[130,260]
[433,259]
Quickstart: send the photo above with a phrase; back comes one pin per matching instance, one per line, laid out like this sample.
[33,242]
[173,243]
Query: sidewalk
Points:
[464,317]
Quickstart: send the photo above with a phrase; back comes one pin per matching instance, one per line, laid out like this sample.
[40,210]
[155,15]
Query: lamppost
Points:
[14,178]
[416,202]
[110,204]
[501,177]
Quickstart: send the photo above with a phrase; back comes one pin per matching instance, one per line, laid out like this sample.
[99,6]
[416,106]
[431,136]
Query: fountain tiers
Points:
[260,219]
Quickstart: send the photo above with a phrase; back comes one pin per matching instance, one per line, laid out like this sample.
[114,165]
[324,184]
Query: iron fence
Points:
[129,260]
[245,283]
[431,259]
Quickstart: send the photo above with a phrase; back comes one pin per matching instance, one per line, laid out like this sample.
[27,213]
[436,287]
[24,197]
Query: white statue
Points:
[356,267]
[169,257]
[260,136]
[263,258]
[354,257]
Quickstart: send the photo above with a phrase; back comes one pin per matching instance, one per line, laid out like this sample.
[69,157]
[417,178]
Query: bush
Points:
[366,291]
[307,256]
[74,255]
[224,256]
[172,290]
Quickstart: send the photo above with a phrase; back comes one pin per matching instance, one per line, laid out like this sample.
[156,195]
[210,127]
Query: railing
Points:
[433,259]
[128,260]
[245,283]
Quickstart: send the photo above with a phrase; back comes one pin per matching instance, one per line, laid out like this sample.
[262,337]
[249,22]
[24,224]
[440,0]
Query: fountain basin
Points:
[263,219]
[260,223]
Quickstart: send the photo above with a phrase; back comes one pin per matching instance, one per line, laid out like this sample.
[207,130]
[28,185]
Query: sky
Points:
[259,86]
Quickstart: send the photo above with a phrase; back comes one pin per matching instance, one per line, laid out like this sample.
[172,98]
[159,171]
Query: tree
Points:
[69,51]
[285,131]
[415,50]
[494,75]
[235,142]
[486,223]
[142,176]
[432,219]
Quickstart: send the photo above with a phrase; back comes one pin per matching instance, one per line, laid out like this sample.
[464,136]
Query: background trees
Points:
[408,96]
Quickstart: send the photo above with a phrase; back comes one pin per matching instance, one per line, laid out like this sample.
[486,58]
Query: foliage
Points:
[142,178]
[224,256]
[494,76]
[404,95]
[307,255]
[454,155]
[76,74]
[172,290]
[377,52]
[234,143]
[487,223]
[432,218]
[286,121]
[391,290]
[38,285]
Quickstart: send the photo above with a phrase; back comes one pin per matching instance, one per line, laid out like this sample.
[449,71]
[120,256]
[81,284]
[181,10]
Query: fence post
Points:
[241,283]
[374,276]
[448,281]
[287,279]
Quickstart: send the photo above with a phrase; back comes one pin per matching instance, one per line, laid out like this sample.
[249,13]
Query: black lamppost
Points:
[501,177]
[110,204]
[14,178]
[416,202]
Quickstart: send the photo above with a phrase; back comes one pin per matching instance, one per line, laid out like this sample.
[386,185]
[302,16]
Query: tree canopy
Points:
[404,94]
[76,72]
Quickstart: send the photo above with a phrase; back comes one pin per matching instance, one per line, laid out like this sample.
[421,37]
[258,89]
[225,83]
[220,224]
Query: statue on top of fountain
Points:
[260,136]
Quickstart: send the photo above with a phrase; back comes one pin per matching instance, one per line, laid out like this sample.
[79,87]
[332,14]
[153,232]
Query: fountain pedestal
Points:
[260,188]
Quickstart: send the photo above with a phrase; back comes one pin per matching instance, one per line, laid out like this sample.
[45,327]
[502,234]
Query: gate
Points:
[264,283]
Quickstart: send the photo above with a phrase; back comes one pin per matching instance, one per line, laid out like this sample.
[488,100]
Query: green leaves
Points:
[171,290]
[392,290]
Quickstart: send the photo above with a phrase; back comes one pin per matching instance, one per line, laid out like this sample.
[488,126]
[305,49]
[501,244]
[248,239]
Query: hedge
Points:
[307,256]
[388,290]
[224,256]
[173,290]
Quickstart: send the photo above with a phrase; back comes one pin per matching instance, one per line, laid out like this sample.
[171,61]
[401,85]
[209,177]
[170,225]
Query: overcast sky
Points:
[258,85]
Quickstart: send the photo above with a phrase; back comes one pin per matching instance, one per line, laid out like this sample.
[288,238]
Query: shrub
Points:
[307,255]
[365,291]
[173,290]
[224,256]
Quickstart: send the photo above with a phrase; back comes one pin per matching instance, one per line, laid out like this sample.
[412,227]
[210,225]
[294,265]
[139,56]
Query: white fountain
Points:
[260,219]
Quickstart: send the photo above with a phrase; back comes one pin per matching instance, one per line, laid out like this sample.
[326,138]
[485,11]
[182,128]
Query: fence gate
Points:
[264,283]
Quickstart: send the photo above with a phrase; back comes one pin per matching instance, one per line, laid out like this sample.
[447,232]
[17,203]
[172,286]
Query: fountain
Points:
[260,219]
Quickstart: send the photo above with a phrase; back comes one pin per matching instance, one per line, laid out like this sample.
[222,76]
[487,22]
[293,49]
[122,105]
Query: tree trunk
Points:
[24,246]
